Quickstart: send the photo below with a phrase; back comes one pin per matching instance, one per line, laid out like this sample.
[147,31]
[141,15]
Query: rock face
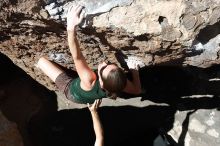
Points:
[201,125]
[165,26]
[158,32]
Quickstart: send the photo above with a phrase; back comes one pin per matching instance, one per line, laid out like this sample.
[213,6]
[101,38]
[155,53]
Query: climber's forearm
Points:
[98,129]
[74,45]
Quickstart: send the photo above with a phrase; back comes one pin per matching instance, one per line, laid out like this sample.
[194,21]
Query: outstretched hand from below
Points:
[93,107]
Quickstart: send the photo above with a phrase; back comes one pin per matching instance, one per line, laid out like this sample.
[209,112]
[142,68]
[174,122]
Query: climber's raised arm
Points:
[74,17]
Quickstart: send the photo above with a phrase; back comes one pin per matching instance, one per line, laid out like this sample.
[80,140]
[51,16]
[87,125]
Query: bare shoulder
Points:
[88,81]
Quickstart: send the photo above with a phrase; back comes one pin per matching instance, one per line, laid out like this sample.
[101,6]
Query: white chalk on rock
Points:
[132,60]
[54,11]
[58,57]
[50,6]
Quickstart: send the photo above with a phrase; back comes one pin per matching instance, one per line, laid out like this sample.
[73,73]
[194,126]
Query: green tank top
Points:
[83,96]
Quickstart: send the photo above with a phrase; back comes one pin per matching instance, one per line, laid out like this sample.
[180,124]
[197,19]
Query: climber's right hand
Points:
[75,16]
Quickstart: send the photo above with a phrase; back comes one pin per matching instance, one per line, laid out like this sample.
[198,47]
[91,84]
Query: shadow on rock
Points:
[34,108]
[23,100]
[184,88]
[124,125]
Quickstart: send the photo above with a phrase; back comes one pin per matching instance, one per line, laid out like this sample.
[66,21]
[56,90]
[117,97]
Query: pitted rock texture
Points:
[197,126]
